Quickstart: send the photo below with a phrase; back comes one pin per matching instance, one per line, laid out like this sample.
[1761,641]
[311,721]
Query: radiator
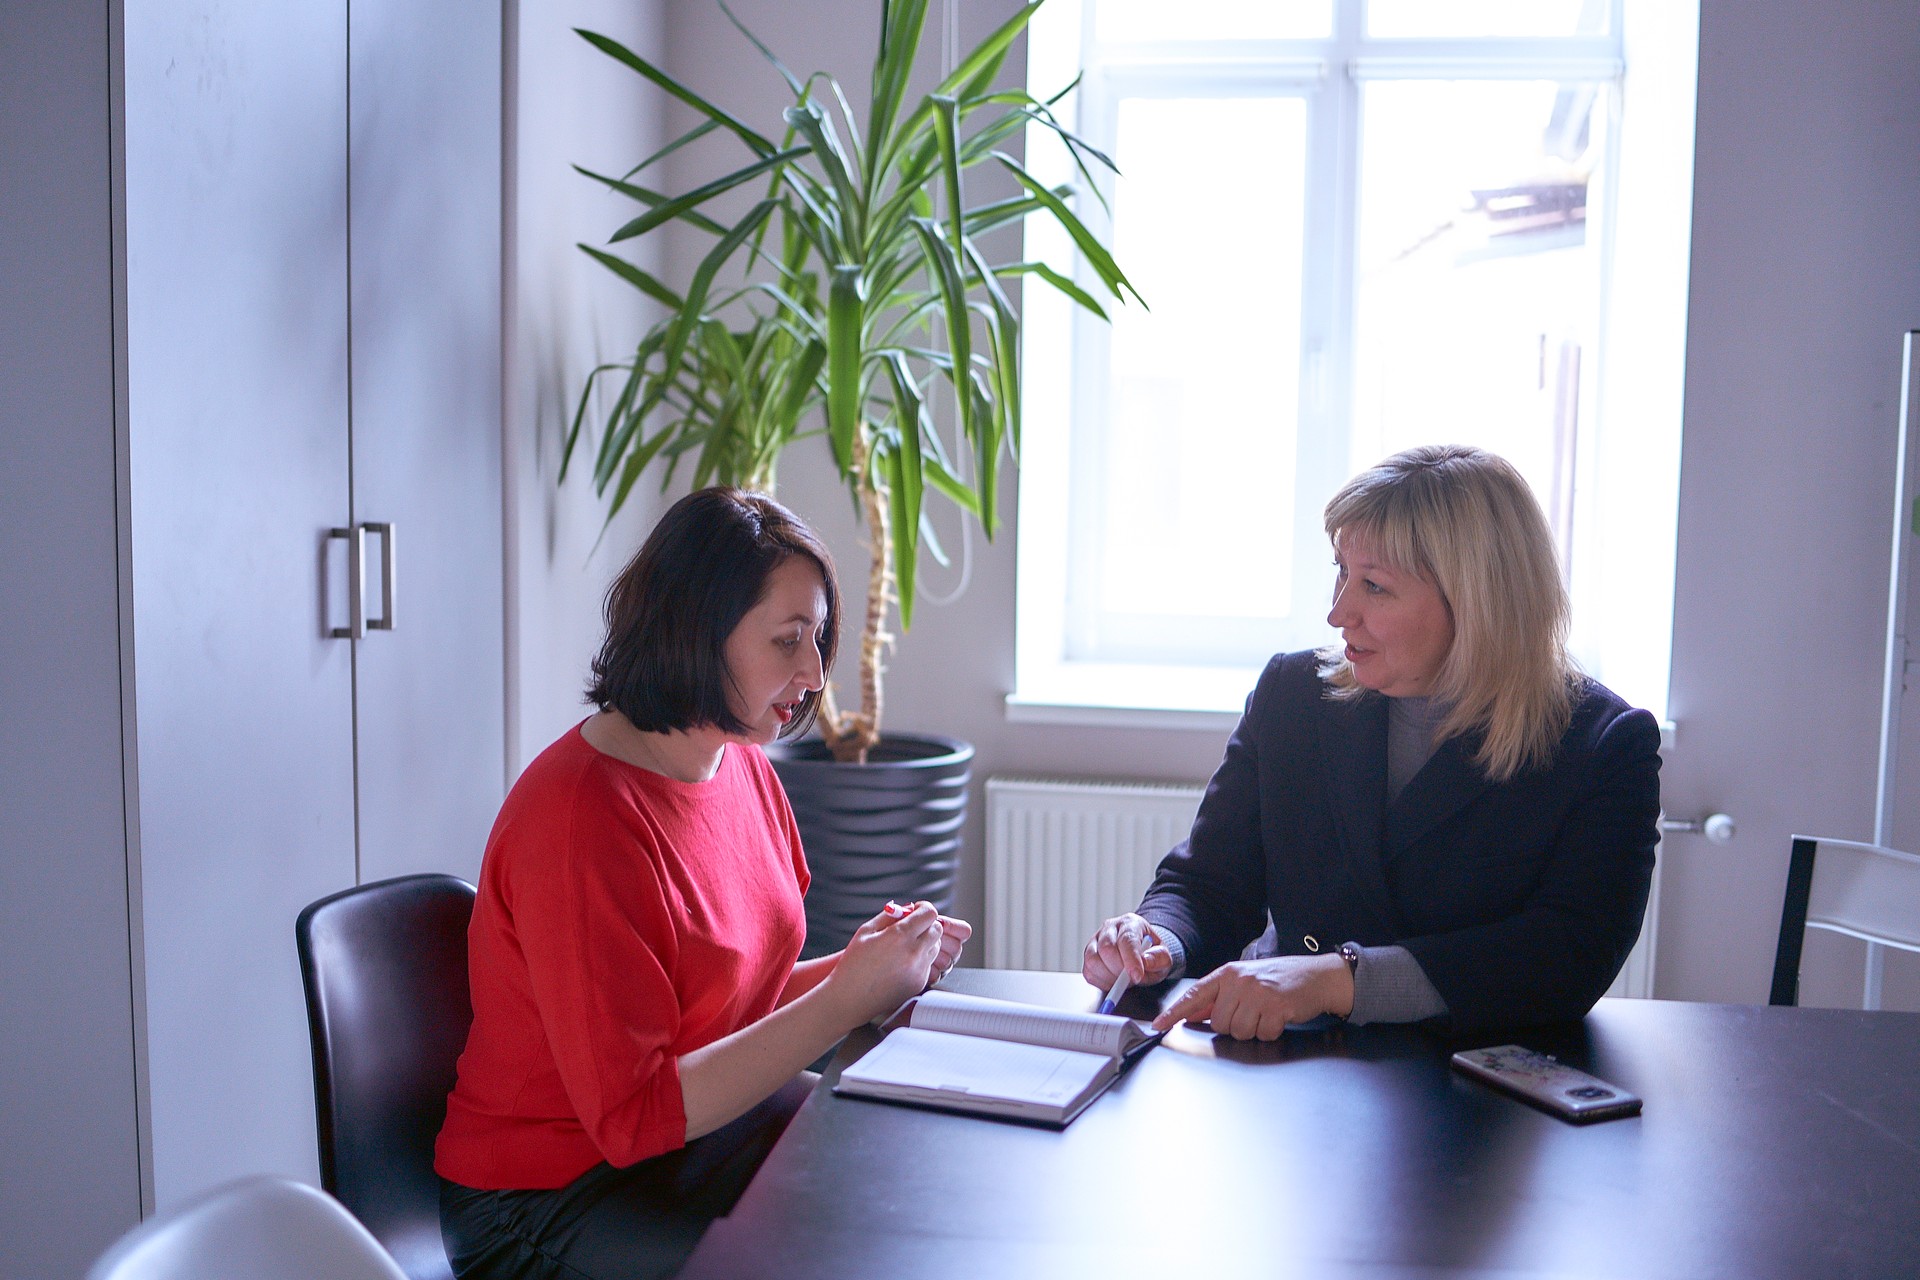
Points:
[1065,854]
[1636,975]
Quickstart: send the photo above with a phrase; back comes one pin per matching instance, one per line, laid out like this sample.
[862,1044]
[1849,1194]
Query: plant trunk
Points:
[849,734]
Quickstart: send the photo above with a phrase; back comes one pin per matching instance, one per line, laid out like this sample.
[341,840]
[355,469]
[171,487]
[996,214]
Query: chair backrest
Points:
[1861,890]
[388,1007]
[259,1228]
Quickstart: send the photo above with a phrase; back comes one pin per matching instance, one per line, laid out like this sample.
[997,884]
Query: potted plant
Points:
[846,285]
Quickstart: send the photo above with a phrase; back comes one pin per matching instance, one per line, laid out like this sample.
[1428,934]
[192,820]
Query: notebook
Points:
[997,1058]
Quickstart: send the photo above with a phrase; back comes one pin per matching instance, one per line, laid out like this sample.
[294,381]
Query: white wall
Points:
[951,672]
[71,1179]
[1805,271]
[567,104]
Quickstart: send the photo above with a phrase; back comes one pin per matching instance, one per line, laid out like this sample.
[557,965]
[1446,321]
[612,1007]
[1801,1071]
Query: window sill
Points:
[1033,711]
[1113,696]
[1118,696]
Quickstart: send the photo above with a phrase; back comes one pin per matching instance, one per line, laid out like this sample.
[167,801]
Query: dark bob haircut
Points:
[669,613]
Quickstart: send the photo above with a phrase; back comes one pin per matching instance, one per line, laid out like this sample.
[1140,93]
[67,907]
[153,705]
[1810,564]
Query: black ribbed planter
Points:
[889,828]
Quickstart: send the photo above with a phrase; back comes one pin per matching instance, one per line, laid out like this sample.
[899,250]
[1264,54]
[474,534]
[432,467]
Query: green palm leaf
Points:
[846,297]
[650,198]
[620,53]
[1095,253]
[844,322]
[674,208]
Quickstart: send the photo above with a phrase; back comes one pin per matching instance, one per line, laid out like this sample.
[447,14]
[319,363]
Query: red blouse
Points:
[624,919]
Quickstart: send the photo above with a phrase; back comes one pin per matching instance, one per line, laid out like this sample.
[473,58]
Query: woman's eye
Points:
[1374,588]
[789,643]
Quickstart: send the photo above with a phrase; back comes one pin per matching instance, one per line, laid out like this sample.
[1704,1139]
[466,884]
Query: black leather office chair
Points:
[385,967]
[1864,891]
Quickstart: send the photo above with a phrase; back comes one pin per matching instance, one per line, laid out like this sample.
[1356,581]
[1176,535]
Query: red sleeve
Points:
[600,944]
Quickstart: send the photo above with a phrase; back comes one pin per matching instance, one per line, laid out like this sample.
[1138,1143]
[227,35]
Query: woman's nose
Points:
[814,672]
[1340,609]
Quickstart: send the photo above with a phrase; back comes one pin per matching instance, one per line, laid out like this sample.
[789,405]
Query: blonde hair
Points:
[1464,520]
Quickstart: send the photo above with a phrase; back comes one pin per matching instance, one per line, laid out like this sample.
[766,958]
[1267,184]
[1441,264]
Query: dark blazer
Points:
[1520,900]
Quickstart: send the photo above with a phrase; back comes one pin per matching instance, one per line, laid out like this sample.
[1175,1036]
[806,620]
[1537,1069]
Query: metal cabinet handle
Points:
[356,627]
[1717,827]
[385,529]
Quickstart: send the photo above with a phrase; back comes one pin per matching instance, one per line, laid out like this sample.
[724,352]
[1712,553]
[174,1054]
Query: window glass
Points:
[1477,282]
[1144,20]
[1198,441]
[1479,18]
[1416,224]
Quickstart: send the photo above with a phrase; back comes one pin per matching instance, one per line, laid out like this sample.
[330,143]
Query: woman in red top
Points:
[640,1024]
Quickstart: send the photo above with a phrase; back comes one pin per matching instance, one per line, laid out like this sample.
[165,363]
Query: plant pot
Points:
[886,829]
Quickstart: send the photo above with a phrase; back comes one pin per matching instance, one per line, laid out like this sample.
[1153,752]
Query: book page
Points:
[1028,1024]
[972,1066]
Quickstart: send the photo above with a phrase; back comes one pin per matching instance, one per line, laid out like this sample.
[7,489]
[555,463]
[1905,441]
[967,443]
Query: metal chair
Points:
[260,1228]
[388,1007]
[1861,890]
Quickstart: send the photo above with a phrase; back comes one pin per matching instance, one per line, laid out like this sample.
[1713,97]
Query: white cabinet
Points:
[308,255]
[425,305]
[250,265]
[237,379]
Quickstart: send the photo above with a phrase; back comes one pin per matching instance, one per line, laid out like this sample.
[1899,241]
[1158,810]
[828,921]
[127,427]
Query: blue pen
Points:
[1118,989]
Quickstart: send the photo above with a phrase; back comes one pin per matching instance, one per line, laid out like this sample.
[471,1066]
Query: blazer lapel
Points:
[1446,784]
[1353,753]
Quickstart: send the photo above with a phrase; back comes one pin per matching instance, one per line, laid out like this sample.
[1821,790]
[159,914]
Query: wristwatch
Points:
[1350,952]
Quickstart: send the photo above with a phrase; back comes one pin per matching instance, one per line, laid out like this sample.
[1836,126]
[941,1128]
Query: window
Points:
[1360,225]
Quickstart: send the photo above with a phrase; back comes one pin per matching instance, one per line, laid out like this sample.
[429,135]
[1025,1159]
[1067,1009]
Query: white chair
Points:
[1861,890]
[259,1228]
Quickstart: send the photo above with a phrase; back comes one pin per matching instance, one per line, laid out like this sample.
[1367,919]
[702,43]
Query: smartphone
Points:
[1548,1083]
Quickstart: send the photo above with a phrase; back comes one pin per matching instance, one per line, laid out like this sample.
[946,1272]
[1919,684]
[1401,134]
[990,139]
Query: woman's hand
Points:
[1125,944]
[887,961]
[953,936]
[1256,999]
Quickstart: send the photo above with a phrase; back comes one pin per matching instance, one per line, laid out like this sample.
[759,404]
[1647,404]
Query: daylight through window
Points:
[1359,227]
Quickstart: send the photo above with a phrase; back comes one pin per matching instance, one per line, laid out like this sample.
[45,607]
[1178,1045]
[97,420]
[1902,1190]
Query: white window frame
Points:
[1642,325]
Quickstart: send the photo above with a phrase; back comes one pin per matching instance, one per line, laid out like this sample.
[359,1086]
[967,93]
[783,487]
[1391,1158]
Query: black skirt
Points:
[614,1224]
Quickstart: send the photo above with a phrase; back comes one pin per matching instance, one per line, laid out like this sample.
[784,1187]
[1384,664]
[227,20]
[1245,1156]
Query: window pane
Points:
[1131,20]
[1467,18]
[1476,302]
[1195,473]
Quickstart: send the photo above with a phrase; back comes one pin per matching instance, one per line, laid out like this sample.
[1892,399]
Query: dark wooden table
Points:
[1774,1142]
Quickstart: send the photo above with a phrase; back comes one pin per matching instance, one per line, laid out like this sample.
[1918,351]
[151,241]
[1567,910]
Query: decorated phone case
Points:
[1547,1083]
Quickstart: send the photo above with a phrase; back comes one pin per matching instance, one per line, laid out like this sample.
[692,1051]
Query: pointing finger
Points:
[1195,1006]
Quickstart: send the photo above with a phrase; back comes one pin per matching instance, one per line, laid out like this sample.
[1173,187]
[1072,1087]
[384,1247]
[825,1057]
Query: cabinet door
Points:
[236,324]
[425,216]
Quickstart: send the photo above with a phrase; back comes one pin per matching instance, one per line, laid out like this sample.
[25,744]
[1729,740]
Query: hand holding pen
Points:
[953,936]
[1125,947]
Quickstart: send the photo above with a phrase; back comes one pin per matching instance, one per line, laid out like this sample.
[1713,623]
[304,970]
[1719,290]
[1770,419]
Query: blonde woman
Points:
[1440,814]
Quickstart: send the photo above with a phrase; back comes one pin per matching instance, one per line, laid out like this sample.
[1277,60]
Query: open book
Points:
[997,1058]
